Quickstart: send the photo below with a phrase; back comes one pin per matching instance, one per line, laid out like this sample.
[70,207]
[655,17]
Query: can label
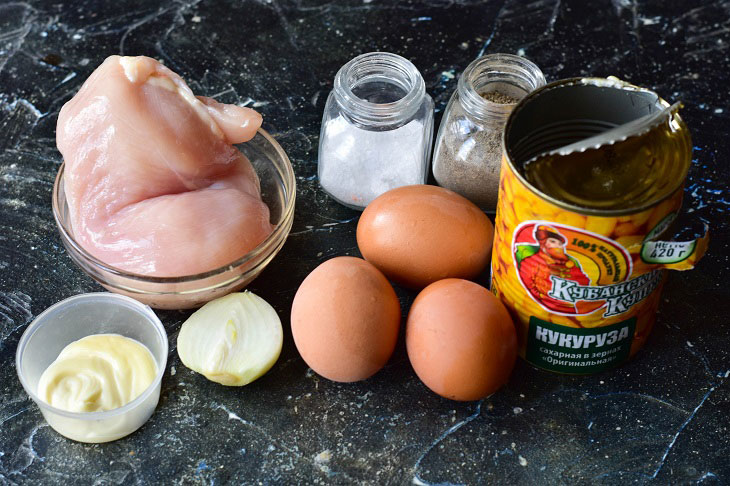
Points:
[568,270]
[583,290]
[567,350]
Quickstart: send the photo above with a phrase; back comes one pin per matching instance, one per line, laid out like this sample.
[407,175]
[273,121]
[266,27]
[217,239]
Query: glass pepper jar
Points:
[468,153]
[376,130]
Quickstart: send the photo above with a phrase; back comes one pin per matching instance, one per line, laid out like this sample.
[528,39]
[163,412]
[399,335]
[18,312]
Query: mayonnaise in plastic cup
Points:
[78,317]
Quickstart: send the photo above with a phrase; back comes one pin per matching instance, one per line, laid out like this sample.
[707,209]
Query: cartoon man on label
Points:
[536,263]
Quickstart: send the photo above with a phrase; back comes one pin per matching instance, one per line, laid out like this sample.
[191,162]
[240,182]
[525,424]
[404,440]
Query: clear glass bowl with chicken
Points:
[166,197]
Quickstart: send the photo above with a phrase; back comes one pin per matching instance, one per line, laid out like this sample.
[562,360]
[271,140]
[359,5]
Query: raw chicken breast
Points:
[153,183]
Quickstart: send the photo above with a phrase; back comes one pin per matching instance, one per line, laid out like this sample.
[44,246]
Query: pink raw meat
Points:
[153,183]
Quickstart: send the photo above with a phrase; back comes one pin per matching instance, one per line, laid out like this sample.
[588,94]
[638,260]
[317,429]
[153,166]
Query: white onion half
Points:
[232,340]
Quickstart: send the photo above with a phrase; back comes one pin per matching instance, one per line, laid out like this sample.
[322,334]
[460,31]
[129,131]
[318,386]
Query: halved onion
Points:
[232,340]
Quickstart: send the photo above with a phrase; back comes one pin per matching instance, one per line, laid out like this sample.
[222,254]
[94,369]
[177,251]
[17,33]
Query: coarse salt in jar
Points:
[376,131]
[468,152]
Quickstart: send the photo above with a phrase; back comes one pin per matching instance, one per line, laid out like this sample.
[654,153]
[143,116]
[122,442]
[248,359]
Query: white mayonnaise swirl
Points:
[97,373]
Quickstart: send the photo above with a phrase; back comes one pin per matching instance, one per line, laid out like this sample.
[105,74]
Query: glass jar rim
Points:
[496,68]
[381,65]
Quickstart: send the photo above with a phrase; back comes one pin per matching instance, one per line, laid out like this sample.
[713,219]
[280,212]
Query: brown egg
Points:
[460,340]
[345,319]
[419,234]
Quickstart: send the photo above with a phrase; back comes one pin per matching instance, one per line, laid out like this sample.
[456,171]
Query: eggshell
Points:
[419,234]
[460,340]
[345,319]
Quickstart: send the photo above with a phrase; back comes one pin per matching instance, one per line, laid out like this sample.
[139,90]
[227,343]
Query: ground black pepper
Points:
[468,154]
[499,97]
[469,157]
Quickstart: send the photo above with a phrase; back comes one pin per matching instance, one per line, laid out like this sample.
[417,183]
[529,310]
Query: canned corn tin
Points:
[583,282]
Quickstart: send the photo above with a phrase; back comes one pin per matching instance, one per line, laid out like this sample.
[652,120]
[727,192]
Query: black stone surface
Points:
[661,418]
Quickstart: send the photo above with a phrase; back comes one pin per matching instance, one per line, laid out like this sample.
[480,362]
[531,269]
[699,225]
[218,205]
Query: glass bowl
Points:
[78,317]
[278,190]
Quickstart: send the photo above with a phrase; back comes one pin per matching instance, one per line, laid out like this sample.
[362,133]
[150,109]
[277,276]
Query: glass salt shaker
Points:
[376,131]
[468,153]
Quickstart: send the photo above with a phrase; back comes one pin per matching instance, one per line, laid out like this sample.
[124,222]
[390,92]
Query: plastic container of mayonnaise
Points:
[75,318]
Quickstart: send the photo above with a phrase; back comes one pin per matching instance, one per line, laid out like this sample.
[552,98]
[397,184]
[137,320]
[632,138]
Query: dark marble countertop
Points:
[661,418]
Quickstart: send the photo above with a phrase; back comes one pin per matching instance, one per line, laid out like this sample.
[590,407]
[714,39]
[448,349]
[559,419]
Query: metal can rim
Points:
[595,81]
